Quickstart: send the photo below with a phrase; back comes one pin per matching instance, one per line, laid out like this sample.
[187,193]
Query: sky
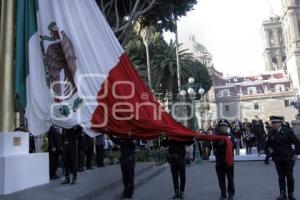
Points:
[230,30]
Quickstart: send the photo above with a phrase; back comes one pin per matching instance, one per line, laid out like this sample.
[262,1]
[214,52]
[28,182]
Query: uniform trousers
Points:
[127,169]
[70,159]
[222,171]
[177,165]
[284,169]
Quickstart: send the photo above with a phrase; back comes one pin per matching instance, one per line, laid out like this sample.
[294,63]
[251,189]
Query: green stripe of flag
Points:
[26,27]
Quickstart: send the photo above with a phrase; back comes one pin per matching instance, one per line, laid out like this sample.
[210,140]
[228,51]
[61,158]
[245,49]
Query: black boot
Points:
[291,196]
[176,195]
[282,196]
[222,197]
[66,181]
[181,195]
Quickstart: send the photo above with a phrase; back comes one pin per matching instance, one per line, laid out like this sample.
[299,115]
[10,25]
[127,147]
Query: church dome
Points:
[196,47]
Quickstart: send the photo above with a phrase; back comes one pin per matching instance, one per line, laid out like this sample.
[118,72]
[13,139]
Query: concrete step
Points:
[91,184]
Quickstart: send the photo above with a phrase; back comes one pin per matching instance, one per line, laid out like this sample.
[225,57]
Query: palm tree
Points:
[164,66]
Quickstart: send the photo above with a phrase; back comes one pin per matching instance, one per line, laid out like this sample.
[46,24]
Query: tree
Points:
[122,15]
[163,63]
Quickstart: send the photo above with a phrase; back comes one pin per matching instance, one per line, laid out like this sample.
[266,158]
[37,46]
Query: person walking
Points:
[222,169]
[279,145]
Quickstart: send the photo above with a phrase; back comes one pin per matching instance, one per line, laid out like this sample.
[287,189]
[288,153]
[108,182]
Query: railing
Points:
[158,156]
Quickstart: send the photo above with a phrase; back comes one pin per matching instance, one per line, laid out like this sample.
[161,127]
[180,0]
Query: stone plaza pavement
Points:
[253,180]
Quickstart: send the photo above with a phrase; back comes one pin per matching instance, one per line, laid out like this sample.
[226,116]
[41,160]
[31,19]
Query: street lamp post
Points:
[192,87]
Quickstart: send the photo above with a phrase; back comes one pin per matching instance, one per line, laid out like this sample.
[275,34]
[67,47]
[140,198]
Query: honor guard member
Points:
[54,149]
[127,162]
[70,152]
[176,158]
[81,151]
[222,168]
[89,154]
[279,145]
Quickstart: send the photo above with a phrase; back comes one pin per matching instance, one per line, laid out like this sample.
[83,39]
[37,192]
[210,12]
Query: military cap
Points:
[276,119]
[223,122]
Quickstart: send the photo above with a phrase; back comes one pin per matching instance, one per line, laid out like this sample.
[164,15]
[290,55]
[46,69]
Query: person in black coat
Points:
[176,158]
[260,134]
[127,162]
[268,134]
[222,168]
[54,149]
[81,151]
[70,152]
[279,145]
[89,154]
[100,144]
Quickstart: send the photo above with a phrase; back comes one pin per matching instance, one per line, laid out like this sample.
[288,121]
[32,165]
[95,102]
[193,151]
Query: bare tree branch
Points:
[135,14]
[146,9]
[117,16]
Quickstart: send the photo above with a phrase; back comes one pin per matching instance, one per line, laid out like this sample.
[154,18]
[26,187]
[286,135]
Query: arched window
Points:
[225,93]
[274,63]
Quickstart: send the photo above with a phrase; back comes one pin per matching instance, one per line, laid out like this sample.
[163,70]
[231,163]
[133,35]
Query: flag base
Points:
[20,170]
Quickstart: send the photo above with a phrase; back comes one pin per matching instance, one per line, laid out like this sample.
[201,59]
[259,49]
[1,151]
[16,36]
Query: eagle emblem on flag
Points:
[60,58]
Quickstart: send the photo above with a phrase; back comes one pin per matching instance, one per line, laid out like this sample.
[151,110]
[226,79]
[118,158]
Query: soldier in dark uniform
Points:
[279,145]
[176,158]
[54,149]
[81,151]
[127,161]
[70,152]
[89,153]
[100,143]
[222,168]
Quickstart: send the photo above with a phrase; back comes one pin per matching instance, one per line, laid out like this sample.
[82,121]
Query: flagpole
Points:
[6,65]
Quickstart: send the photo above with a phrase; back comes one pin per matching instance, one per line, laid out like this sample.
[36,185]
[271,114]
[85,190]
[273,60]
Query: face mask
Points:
[228,130]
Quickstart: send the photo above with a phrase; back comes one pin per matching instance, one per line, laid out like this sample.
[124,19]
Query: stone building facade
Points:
[274,47]
[281,36]
[247,97]
[262,95]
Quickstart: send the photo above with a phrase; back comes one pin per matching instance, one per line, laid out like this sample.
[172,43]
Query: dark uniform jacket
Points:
[127,146]
[54,139]
[279,144]
[71,135]
[220,149]
[176,147]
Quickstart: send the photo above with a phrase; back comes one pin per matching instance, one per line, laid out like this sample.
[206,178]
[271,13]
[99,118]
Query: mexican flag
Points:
[76,72]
